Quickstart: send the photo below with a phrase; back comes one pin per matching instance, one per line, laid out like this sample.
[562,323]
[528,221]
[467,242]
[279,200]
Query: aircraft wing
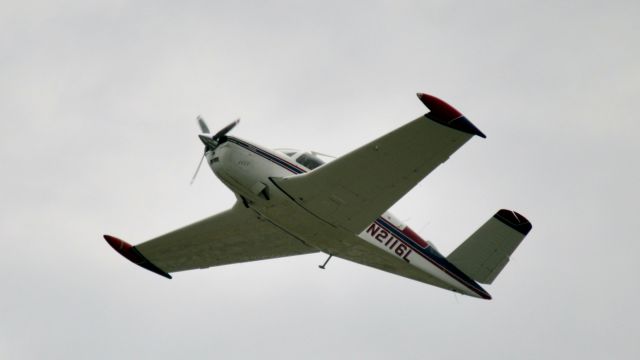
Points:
[353,190]
[233,236]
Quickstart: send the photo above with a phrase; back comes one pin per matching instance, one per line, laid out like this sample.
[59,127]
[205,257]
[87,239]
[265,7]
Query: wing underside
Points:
[356,188]
[234,236]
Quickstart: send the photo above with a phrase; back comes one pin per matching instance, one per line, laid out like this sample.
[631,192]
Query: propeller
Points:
[203,125]
[211,142]
[197,169]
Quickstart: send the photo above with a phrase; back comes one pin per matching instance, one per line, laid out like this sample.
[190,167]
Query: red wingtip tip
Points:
[447,115]
[123,248]
[443,110]
[118,245]
[132,254]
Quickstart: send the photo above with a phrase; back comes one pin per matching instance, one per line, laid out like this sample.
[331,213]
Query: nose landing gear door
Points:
[260,189]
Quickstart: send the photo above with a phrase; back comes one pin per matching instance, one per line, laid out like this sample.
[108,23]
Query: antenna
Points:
[325,263]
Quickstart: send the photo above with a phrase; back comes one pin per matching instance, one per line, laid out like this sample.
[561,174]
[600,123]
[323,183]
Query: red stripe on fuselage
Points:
[415,237]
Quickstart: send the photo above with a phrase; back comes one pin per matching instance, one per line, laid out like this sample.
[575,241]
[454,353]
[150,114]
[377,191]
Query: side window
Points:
[309,161]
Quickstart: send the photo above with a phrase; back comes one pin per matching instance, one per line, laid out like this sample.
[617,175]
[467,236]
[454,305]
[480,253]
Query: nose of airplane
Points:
[208,141]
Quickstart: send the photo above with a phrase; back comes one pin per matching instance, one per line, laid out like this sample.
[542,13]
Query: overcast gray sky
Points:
[97,108]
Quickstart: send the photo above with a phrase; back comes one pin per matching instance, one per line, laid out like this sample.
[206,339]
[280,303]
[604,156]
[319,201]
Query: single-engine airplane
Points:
[290,202]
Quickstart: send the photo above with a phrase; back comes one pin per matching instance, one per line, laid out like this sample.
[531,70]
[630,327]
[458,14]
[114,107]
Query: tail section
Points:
[485,253]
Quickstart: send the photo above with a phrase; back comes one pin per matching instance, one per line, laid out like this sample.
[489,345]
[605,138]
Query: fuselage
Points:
[247,169]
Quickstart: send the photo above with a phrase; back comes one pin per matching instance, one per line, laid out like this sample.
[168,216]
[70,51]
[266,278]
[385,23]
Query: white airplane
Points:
[292,203]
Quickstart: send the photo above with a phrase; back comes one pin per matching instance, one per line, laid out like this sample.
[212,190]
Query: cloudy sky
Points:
[97,108]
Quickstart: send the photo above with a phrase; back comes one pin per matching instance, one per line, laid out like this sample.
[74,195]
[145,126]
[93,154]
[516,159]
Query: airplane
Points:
[291,202]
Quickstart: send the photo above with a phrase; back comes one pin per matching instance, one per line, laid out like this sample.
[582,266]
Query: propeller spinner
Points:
[211,142]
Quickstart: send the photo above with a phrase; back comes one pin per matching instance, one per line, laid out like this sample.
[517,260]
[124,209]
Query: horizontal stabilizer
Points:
[485,253]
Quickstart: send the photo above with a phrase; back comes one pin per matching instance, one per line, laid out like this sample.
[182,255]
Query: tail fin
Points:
[485,253]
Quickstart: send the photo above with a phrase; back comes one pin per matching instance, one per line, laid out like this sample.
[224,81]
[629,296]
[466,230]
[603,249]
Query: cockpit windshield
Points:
[309,161]
[289,152]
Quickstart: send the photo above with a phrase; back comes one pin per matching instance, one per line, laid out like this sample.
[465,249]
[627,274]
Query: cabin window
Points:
[309,161]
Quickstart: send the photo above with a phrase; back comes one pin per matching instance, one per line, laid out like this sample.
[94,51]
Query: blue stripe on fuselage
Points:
[275,159]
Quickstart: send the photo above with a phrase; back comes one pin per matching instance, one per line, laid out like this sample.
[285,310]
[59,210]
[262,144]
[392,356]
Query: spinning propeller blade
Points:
[197,169]
[203,125]
[226,129]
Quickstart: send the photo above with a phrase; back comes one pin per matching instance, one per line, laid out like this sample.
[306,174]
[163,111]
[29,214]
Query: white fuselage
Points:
[246,169]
